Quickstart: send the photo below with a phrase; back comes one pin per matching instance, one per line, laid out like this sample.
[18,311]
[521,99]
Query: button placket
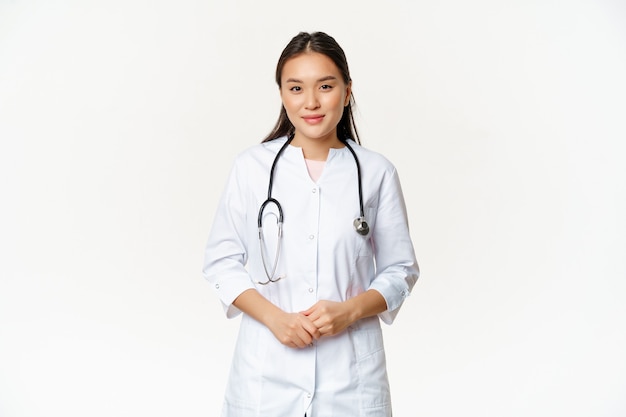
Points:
[312,224]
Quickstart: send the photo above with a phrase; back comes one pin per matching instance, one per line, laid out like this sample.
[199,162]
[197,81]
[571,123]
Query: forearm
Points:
[252,303]
[291,329]
[367,304]
[333,317]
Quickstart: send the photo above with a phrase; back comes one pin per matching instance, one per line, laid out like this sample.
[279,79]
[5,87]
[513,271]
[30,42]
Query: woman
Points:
[314,288]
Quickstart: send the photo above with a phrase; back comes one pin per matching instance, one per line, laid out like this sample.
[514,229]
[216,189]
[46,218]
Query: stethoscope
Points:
[360,225]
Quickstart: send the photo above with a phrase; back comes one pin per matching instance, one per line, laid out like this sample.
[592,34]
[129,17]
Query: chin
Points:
[315,134]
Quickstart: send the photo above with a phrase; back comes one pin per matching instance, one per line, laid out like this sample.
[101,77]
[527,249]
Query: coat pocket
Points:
[371,367]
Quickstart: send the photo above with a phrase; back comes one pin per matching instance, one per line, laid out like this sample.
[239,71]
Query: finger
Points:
[309,325]
[310,329]
[295,343]
[303,338]
[322,328]
[312,314]
[319,320]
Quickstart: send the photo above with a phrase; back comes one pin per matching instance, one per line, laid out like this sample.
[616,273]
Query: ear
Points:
[348,94]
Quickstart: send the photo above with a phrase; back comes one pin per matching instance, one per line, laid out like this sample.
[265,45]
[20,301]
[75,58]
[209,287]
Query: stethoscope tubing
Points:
[358,174]
[360,224]
[270,200]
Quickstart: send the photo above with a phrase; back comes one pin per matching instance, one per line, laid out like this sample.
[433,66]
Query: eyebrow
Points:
[326,78]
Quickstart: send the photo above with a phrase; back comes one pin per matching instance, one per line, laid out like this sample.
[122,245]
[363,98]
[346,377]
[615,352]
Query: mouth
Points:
[313,119]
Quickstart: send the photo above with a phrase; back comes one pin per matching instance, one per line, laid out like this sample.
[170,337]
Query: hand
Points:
[330,317]
[293,329]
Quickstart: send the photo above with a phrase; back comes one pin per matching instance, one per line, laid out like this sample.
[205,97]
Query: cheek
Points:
[290,103]
[336,101]
[342,102]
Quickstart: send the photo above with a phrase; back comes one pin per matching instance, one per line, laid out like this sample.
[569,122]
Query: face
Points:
[314,95]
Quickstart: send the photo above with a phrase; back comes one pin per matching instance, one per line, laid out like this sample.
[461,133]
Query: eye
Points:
[295,89]
[326,87]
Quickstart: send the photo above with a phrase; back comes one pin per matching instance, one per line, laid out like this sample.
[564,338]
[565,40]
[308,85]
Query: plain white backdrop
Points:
[118,124]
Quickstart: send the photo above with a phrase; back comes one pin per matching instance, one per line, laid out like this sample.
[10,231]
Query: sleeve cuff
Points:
[228,288]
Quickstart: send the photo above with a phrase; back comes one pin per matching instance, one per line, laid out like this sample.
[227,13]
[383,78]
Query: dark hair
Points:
[321,43]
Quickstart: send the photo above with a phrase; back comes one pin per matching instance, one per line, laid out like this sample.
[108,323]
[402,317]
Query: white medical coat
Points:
[322,258]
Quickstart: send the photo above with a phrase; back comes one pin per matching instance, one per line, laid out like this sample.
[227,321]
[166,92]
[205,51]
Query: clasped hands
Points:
[324,318]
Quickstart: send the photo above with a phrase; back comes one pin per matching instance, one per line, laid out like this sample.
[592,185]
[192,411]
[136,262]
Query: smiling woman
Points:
[314,102]
[310,341]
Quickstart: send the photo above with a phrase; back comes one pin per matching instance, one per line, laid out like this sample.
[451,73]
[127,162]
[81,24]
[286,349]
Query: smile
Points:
[313,119]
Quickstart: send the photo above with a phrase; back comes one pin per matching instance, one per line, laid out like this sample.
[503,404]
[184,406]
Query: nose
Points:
[311,101]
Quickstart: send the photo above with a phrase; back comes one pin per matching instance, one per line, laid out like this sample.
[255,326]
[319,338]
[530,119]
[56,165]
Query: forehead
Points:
[309,66]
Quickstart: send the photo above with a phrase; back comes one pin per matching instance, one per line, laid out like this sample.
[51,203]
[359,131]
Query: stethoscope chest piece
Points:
[361,226]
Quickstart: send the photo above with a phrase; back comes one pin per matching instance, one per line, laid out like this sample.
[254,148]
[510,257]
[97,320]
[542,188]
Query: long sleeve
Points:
[226,250]
[396,266]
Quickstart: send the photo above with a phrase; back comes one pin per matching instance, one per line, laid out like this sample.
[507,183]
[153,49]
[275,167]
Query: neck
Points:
[316,149]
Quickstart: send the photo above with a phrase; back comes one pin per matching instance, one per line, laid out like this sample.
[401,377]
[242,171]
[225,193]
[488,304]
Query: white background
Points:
[506,120]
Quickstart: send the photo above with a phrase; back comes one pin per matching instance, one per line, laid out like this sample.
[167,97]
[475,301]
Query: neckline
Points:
[315,161]
[331,151]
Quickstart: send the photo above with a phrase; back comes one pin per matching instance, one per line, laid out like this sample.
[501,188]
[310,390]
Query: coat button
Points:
[217,286]
[311,237]
[310,289]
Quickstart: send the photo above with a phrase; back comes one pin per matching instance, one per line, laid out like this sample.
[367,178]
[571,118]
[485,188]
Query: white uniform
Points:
[322,258]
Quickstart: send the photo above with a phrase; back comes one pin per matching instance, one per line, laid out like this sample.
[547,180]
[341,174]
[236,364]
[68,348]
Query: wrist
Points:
[367,304]
[270,315]
[354,310]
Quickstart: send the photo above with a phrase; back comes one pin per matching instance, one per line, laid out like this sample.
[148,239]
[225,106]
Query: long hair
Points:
[324,44]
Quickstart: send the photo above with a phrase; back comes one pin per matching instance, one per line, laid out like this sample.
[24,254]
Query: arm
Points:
[226,251]
[396,267]
[291,329]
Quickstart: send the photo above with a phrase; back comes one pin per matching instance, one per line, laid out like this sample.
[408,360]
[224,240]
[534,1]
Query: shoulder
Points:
[371,159]
[259,152]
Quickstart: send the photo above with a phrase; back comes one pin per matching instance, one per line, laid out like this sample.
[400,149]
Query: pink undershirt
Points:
[315,168]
